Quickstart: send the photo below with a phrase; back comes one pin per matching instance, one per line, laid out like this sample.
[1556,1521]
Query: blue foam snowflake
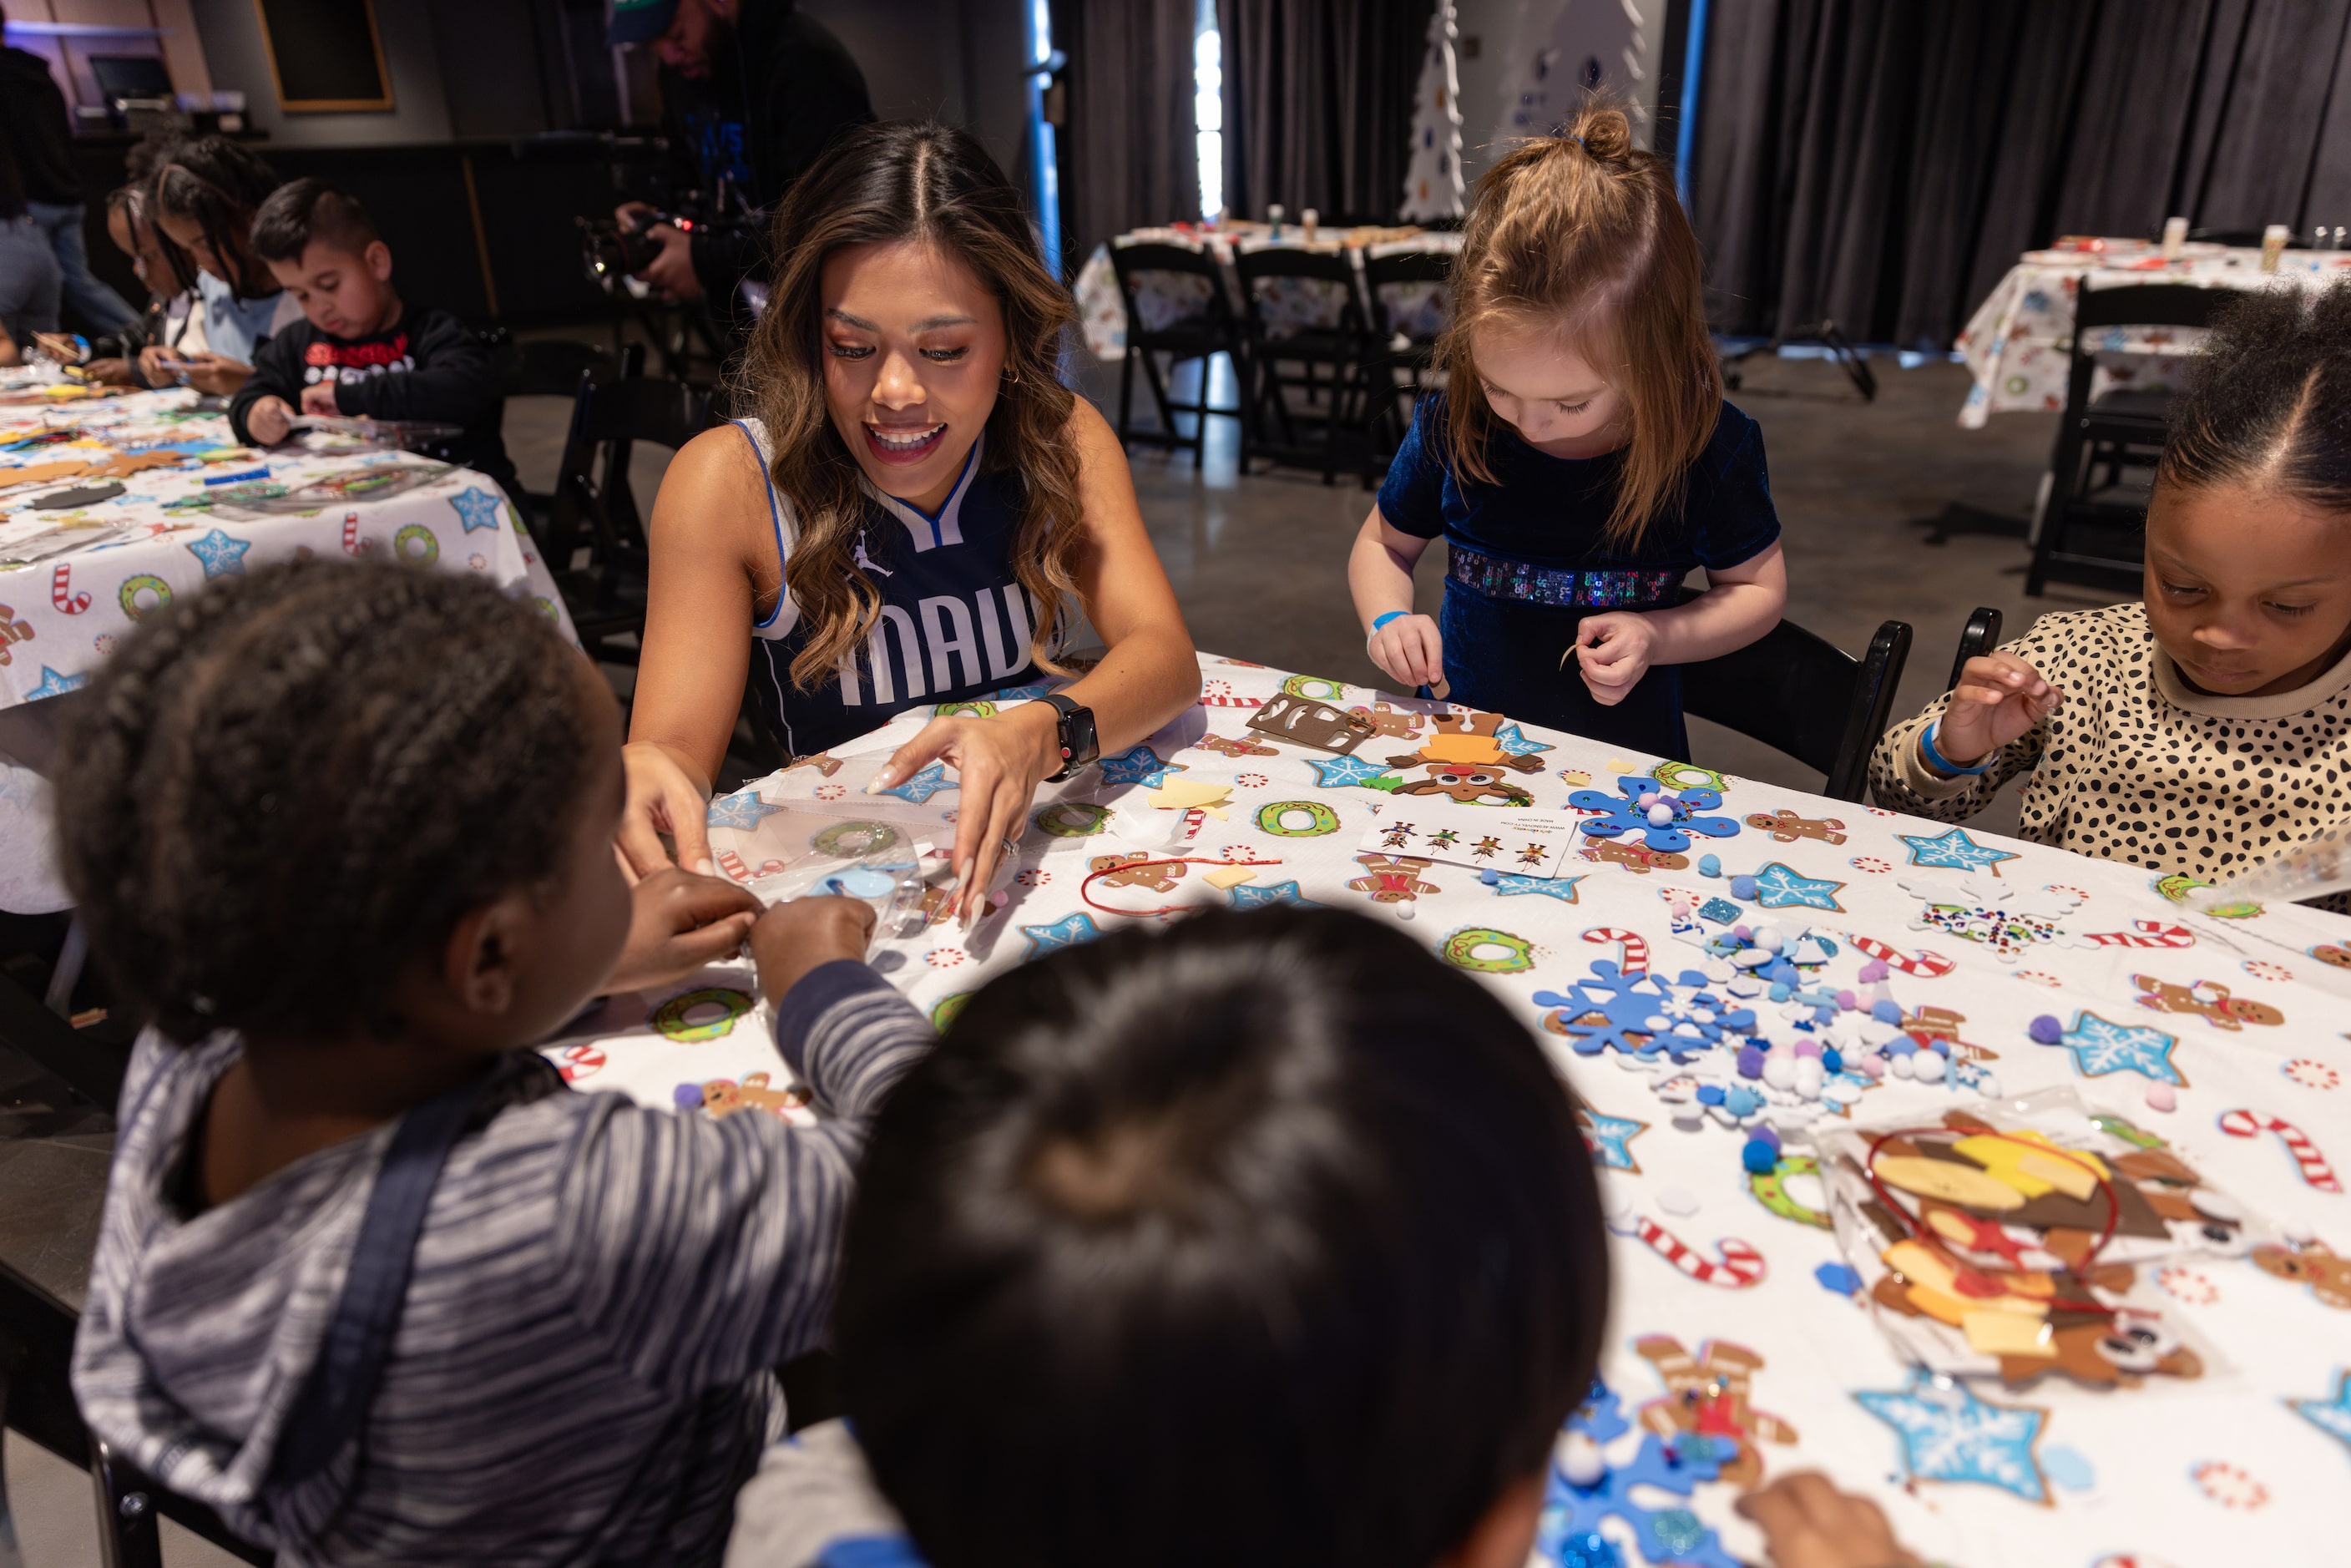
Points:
[1248,897]
[1514,743]
[1601,1416]
[1629,816]
[1606,1137]
[1043,939]
[2332,1417]
[1953,849]
[1571,1515]
[2101,1047]
[476,508]
[1680,1020]
[221,555]
[743,809]
[1779,887]
[1338,772]
[1966,1441]
[1139,765]
[1560,887]
[922,785]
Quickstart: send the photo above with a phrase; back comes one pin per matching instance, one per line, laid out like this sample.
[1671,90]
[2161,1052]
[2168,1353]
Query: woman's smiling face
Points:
[914,349]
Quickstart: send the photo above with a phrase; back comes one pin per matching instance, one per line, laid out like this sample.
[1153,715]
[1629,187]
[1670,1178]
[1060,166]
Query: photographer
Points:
[751,92]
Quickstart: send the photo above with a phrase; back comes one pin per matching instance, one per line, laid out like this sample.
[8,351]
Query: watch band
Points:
[1075,756]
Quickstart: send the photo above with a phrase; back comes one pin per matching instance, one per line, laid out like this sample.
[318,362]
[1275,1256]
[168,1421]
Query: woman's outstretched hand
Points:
[664,798]
[999,764]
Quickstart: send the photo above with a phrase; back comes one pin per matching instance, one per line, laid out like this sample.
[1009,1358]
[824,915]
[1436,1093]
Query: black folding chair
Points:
[2083,536]
[1211,332]
[595,510]
[1803,695]
[1979,637]
[1396,364]
[550,367]
[1338,348]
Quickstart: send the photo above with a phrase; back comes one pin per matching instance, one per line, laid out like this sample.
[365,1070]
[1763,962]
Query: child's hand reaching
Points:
[677,922]
[1612,652]
[319,397]
[1409,650]
[1807,1523]
[1999,698]
[791,939]
[270,421]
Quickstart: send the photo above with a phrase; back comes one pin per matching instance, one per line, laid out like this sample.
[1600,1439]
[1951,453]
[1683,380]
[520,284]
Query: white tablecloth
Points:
[2245,1464]
[2018,342]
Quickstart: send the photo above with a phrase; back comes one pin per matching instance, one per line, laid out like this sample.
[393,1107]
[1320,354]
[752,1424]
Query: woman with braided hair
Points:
[915,512]
[202,195]
[372,1282]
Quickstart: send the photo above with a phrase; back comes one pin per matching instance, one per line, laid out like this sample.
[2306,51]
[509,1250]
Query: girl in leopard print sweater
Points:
[2207,729]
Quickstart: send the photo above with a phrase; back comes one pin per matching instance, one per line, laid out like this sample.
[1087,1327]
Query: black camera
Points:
[612,249]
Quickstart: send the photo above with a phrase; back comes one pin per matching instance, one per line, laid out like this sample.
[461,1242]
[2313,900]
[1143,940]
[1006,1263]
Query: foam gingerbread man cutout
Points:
[1138,869]
[1787,826]
[1639,858]
[1389,721]
[1393,879]
[1709,1393]
[2207,999]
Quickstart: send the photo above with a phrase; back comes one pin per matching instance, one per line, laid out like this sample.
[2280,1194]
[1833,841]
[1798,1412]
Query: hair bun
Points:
[1605,132]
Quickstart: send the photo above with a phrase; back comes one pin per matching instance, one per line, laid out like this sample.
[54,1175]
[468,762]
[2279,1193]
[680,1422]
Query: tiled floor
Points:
[1259,564]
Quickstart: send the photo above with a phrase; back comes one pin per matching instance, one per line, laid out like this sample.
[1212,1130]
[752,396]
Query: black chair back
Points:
[1198,334]
[1339,347]
[1128,262]
[1333,272]
[1403,267]
[1800,693]
[1979,637]
[594,505]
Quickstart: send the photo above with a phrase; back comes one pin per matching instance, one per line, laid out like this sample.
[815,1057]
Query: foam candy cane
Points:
[352,545]
[2145,933]
[1924,963]
[2306,1158]
[1634,945]
[61,592]
[1741,1265]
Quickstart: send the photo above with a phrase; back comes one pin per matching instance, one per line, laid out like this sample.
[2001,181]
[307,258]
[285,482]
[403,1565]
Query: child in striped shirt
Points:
[371,1281]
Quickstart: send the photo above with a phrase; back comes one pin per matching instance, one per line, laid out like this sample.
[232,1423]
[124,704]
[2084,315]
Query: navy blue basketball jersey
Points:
[955,625]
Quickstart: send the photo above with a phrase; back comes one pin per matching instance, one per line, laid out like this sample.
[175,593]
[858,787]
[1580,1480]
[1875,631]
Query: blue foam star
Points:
[1139,766]
[1560,887]
[1629,816]
[743,809]
[1953,849]
[1778,887]
[1029,693]
[1970,1440]
[478,508]
[1248,897]
[221,555]
[1069,932]
[2101,1047]
[1605,1136]
[1515,744]
[2332,1417]
[1338,772]
[922,785]
[55,685]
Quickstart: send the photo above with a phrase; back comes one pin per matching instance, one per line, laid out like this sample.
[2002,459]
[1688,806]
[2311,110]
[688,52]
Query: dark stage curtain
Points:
[1882,163]
[1129,156]
[1318,103]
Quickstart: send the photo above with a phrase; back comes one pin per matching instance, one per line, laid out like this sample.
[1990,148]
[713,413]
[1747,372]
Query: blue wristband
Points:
[1943,764]
[1391,615]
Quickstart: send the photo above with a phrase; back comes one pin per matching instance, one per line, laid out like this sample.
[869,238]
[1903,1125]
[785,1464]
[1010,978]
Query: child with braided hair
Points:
[202,195]
[371,1281]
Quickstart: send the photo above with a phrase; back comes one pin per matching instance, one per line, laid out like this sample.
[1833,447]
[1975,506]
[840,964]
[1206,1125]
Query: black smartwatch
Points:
[1080,745]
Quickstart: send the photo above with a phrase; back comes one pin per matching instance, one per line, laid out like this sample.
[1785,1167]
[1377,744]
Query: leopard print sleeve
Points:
[1899,779]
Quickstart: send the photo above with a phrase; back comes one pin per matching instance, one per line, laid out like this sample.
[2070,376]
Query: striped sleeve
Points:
[703,1251]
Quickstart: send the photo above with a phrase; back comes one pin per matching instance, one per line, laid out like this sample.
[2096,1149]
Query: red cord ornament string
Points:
[1922,1233]
[1085,888]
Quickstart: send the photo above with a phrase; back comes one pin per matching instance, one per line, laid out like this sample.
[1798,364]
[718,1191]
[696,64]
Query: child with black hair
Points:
[1268,1240]
[2207,729]
[371,1281]
[203,195]
[359,351]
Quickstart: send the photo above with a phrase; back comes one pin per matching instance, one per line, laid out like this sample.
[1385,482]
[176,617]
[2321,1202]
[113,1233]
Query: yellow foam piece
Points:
[1460,749]
[2032,1172]
[2009,1333]
[1962,1184]
[1184,794]
[1229,876]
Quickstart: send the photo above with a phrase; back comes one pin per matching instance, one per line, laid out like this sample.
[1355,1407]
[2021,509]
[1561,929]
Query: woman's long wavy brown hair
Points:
[1583,234]
[935,185]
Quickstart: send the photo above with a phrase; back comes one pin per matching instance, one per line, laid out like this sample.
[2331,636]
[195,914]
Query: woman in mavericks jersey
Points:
[907,516]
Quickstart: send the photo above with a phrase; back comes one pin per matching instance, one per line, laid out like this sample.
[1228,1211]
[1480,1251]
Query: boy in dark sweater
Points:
[358,350]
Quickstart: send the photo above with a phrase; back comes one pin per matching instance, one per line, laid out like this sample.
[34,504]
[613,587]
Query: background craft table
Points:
[2018,341]
[2245,1464]
[176,527]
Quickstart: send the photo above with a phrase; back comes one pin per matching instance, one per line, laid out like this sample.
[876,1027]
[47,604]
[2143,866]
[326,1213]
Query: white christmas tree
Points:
[1432,180]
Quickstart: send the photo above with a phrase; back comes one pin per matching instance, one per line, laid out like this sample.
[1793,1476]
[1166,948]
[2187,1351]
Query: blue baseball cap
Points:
[639,21]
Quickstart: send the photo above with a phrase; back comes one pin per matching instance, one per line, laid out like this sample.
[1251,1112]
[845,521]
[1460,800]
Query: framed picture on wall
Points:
[324,54]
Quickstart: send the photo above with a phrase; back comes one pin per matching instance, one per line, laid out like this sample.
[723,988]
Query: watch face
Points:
[1079,729]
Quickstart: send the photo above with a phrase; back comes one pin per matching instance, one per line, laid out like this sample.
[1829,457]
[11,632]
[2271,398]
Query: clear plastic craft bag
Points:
[2308,871]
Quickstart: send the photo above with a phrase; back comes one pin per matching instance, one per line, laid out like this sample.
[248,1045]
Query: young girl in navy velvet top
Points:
[1580,463]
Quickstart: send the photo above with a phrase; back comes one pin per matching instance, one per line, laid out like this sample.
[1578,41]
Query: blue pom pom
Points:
[1832,1061]
[1742,888]
[1838,1278]
[1901,1045]
[1709,865]
[1710,1093]
[1779,990]
[1759,1157]
[1885,1012]
[2045,1030]
[1489,877]
[1742,1102]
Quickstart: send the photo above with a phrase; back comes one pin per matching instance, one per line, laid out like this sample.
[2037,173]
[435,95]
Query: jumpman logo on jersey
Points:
[865,562]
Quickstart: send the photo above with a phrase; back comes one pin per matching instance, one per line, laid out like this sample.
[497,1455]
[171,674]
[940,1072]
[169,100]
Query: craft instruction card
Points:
[1522,843]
